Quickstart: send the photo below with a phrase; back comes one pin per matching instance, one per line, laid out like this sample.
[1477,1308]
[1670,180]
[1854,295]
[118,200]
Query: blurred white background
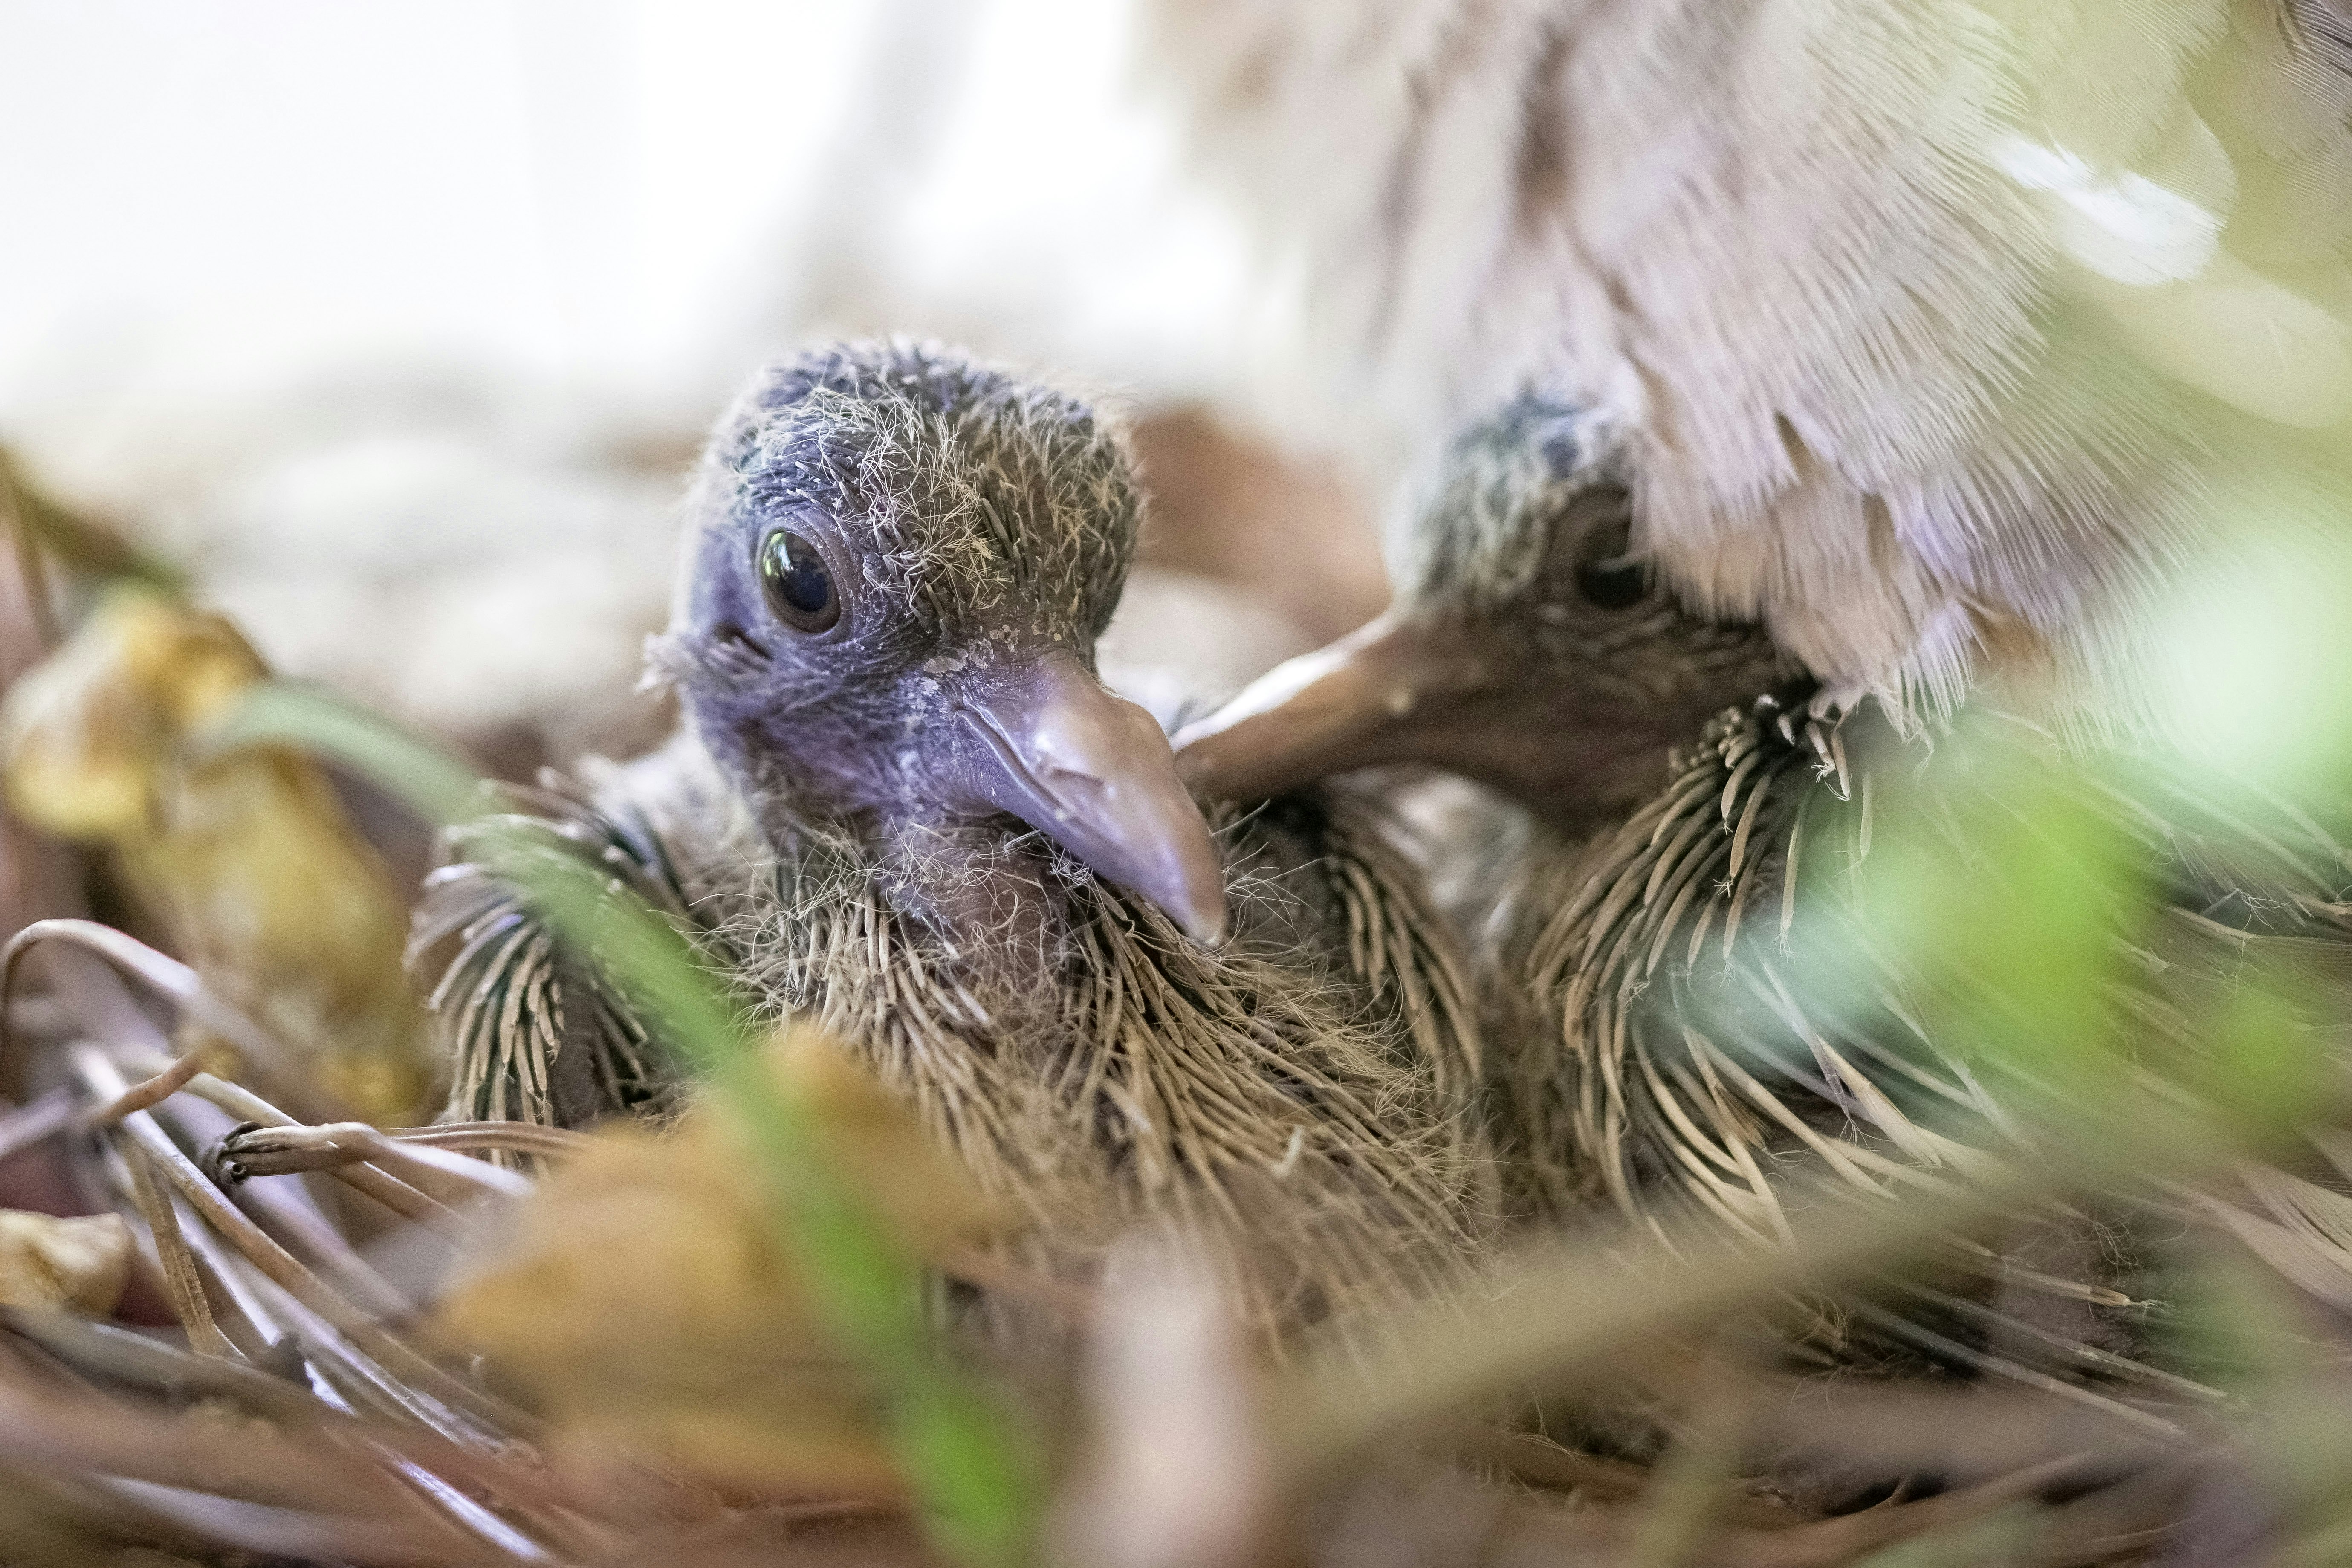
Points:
[396,322]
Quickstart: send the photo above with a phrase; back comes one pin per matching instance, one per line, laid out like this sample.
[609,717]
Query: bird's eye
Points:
[1606,576]
[798,582]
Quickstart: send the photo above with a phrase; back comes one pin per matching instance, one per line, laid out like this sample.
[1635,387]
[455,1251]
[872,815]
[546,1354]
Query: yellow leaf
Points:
[247,860]
[79,1265]
[643,1301]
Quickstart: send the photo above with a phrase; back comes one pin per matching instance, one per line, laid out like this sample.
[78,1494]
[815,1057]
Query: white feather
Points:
[1934,321]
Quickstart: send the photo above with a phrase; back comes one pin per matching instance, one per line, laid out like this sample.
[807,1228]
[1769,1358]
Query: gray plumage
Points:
[1943,334]
[825,830]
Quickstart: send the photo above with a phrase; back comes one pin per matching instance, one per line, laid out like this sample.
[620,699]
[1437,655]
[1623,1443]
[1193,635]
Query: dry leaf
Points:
[644,1300]
[80,1265]
[248,859]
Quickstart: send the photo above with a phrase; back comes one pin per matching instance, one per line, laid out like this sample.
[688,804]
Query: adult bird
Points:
[1941,336]
[901,804]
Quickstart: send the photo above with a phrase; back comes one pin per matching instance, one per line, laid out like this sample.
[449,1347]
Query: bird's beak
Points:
[1379,695]
[1043,739]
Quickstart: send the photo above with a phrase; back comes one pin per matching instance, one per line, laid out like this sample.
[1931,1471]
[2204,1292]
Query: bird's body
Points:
[1941,334]
[913,817]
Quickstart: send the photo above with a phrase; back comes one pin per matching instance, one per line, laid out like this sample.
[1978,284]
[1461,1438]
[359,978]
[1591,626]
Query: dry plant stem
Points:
[250,1326]
[294,1217]
[125,1357]
[101,1350]
[180,1278]
[349,1380]
[280,1150]
[521,1136]
[280,1266]
[169,979]
[383,1186]
[322,1242]
[148,1091]
[300,1227]
[1948,1350]
[1577,1303]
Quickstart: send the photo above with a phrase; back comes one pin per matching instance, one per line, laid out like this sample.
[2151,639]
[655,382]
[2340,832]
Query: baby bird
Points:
[900,804]
[1662,1043]
[1526,648]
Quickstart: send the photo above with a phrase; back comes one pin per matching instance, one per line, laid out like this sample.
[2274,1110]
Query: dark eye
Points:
[799,585]
[1606,577]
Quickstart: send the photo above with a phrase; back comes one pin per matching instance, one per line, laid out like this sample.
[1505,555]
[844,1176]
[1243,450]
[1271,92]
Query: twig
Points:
[382,1186]
[180,1280]
[524,1137]
[168,977]
[101,1350]
[289,1212]
[282,1267]
[281,1151]
[148,1092]
[288,1532]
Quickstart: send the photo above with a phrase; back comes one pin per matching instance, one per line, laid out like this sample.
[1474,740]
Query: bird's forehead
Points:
[954,539]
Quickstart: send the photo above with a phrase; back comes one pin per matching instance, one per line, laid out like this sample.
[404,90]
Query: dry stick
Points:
[180,984]
[166,976]
[383,1186]
[180,1280]
[348,1381]
[351,1386]
[273,1531]
[281,1151]
[148,1091]
[1563,1318]
[294,1217]
[521,1136]
[283,1267]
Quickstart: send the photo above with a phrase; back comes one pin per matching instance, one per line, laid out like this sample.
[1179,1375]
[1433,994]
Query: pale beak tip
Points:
[1208,923]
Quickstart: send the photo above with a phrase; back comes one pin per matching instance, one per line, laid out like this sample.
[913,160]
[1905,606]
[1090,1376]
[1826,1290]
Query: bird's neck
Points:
[986,891]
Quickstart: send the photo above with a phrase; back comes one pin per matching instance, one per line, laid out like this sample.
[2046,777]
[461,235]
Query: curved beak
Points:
[1044,741]
[1379,695]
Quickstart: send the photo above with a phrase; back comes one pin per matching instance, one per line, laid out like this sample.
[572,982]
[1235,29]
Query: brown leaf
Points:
[644,1300]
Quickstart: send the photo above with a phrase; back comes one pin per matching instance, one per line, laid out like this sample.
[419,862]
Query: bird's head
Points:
[1530,646]
[900,562]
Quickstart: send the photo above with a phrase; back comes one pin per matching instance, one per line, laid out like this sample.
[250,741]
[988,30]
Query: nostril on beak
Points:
[1096,773]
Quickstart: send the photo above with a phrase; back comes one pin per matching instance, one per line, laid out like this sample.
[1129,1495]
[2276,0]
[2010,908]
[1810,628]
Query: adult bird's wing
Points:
[1945,332]
[530,1033]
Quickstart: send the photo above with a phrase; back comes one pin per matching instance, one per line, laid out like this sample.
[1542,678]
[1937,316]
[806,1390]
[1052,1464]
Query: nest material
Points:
[1306,1095]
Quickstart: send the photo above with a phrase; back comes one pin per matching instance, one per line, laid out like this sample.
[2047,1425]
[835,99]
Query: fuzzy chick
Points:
[903,806]
[1697,992]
